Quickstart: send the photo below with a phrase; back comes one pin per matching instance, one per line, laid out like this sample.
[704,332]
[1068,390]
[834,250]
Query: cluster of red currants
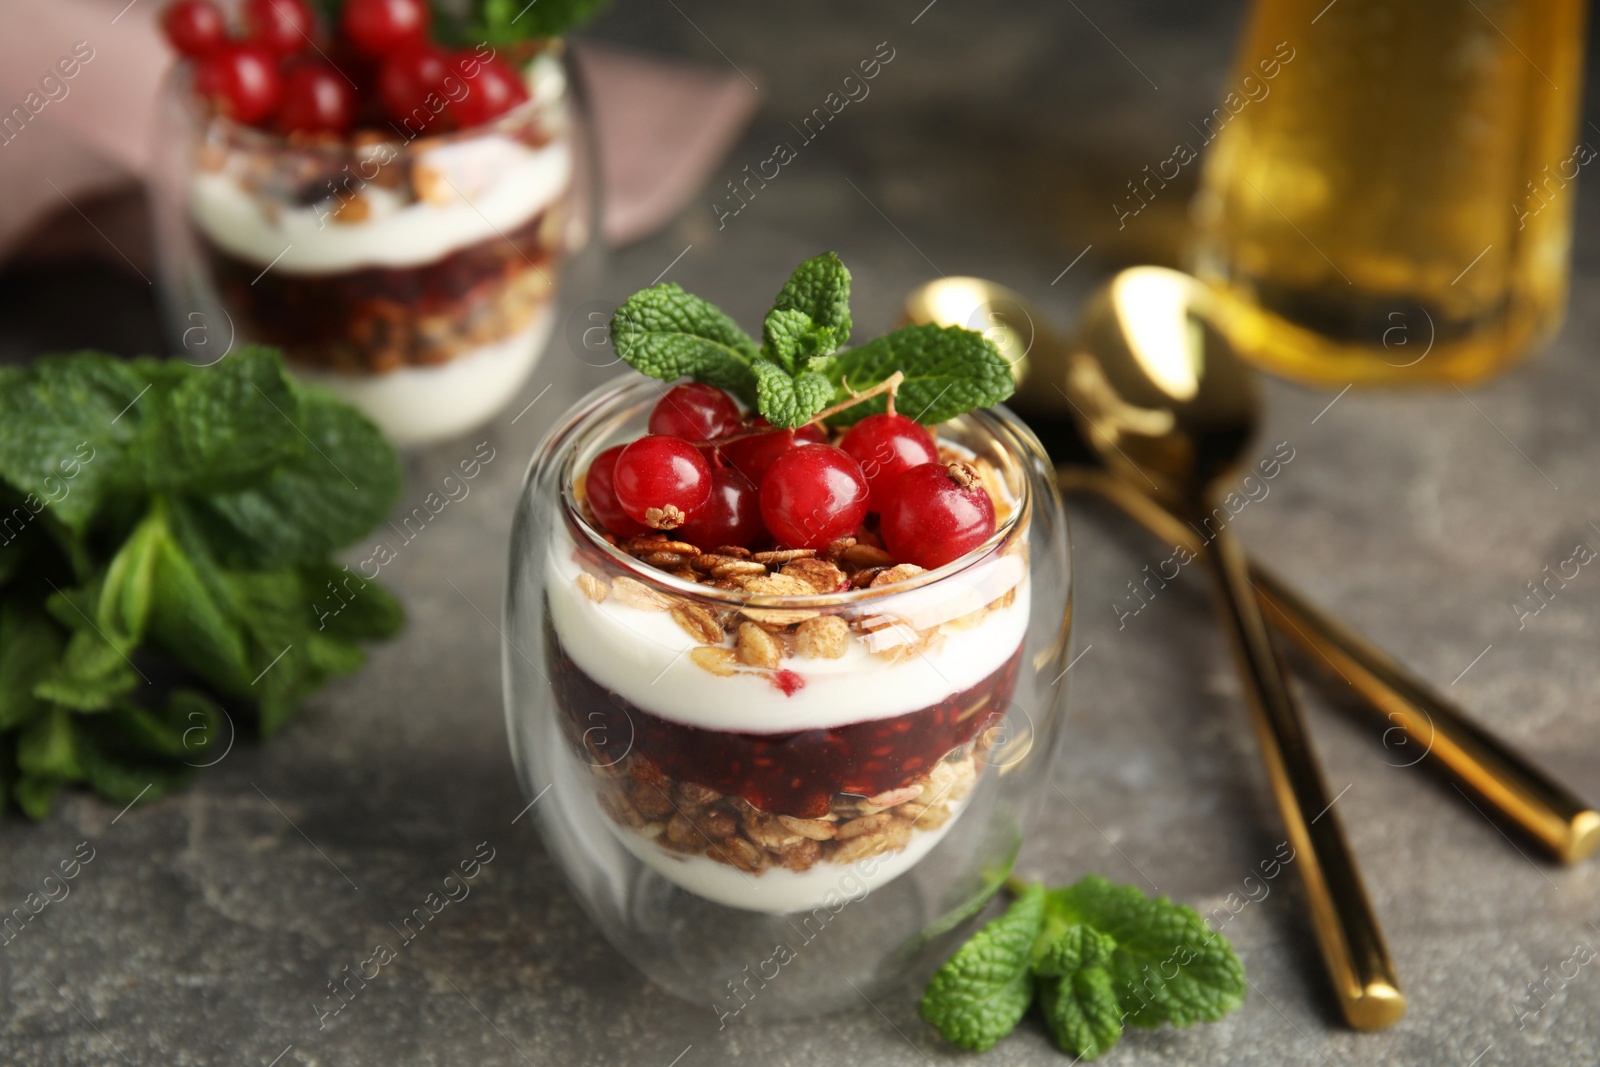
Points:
[277,74]
[714,479]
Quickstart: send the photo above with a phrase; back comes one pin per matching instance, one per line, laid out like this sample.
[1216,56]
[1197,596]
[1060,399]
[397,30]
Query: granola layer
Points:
[773,669]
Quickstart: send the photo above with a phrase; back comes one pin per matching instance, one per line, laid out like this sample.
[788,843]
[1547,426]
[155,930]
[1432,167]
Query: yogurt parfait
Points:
[390,213]
[784,644]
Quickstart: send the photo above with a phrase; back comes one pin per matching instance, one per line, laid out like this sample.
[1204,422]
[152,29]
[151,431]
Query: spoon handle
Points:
[1347,931]
[1481,763]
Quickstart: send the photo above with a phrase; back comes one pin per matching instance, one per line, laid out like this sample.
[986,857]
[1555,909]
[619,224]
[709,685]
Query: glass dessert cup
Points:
[763,794]
[413,272]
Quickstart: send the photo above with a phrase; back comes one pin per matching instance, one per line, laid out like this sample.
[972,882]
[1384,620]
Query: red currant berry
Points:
[496,89]
[887,446]
[753,455]
[936,513]
[241,81]
[376,27]
[316,99]
[280,26]
[406,79]
[695,412]
[661,481]
[813,495]
[602,495]
[194,27]
[730,516]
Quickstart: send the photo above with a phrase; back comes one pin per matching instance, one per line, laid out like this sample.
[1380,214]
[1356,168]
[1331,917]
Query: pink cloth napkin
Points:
[79,81]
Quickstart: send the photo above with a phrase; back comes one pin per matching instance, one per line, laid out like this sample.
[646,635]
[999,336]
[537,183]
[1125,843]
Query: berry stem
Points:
[890,385]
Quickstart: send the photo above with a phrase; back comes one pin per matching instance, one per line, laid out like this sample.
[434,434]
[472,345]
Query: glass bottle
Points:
[1388,196]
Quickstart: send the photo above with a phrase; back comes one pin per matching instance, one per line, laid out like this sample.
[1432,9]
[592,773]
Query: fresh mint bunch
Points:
[1095,957]
[164,540]
[802,366]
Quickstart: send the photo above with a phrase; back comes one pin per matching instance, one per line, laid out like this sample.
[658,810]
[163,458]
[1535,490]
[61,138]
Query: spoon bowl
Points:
[1165,398]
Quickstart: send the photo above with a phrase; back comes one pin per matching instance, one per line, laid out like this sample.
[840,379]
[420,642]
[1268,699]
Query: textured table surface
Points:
[206,926]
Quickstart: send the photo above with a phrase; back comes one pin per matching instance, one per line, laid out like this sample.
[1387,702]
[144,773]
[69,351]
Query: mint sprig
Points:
[502,22]
[493,22]
[1096,957]
[802,369]
[164,555]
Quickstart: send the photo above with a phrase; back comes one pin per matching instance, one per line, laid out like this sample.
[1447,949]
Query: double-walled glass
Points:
[410,269]
[765,795]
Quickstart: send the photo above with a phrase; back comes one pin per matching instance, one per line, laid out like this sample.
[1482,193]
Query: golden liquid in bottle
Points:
[1398,206]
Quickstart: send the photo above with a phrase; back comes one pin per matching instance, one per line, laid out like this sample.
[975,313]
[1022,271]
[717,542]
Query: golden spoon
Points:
[1480,762]
[1172,409]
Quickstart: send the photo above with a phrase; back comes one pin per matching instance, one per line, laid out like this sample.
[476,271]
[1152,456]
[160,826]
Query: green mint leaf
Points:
[1168,966]
[65,424]
[133,754]
[334,491]
[36,795]
[788,401]
[819,288]
[30,643]
[1082,1011]
[277,621]
[793,341]
[499,22]
[1074,949]
[349,607]
[16,534]
[123,606]
[219,427]
[192,615]
[91,675]
[48,748]
[330,656]
[670,334]
[120,776]
[982,992]
[948,371]
[296,643]
[136,731]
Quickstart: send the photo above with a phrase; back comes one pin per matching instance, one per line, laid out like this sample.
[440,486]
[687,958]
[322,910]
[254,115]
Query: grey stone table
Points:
[207,926]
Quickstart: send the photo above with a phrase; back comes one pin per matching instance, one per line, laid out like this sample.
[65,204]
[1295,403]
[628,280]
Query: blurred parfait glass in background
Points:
[1398,208]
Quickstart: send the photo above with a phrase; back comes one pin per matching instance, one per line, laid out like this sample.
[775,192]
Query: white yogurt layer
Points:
[486,187]
[642,655]
[776,889]
[415,405]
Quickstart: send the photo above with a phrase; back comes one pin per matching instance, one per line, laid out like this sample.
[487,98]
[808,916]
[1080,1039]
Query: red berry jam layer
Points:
[799,773]
[379,319]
